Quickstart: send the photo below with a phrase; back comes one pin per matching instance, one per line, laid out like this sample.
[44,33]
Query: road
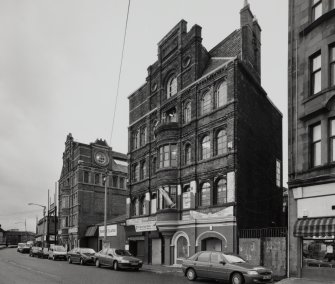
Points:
[23,269]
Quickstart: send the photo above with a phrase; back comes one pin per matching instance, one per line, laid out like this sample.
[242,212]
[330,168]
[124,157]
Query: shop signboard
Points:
[73,230]
[138,221]
[146,226]
[111,231]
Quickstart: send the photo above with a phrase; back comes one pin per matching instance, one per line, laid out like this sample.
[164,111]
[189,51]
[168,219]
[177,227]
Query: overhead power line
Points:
[120,70]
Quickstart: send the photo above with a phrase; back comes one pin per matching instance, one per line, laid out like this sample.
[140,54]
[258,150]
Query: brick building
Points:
[311,109]
[81,189]
[205,147]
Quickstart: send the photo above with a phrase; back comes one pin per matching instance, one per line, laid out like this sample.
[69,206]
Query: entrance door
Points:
[212,244]
[156,251]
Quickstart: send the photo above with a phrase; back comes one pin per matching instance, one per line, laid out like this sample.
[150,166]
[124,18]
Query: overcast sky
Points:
[59,63]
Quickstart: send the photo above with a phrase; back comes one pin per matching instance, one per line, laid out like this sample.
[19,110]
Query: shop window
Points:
[315,63]
[205,196]
[187,112]
[316,145]
[220,192]
[221,142]
[319,253]
[205,148]
[316,9]
[332,64]
[332,140]
[221,95]
[206,102]
[171,86]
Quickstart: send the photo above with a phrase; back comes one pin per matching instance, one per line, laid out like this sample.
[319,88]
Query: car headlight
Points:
[140,261]
[252,272]
[125,261]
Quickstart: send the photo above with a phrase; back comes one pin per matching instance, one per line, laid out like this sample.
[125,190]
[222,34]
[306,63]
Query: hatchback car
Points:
[57,252]
[81,255]
[224,266]
[118,259]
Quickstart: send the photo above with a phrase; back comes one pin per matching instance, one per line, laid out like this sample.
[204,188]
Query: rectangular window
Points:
[332,64]
[168,156]
[315,73]
[278,173]
[115,183]
[97,179]
[332,139]
[316,145]
[316,9]
[86,177]
[121,182]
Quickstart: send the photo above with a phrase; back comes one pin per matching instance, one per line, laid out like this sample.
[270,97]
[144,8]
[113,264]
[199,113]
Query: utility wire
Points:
[119,79]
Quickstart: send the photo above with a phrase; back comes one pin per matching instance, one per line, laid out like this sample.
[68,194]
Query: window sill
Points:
[312,25]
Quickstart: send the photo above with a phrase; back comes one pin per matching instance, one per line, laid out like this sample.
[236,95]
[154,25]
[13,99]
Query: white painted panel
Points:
[318,190]
[316,207]
[231,187]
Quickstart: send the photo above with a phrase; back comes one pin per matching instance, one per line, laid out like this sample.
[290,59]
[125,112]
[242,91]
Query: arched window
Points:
[205,148]
[187,154]
[221,142]
[171,86]
[187,112]
[182,247]
[221,95]
[205,196]
[220,192]
[206,103]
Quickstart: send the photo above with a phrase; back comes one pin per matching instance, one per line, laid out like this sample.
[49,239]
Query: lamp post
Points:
[105,208]
[44,209]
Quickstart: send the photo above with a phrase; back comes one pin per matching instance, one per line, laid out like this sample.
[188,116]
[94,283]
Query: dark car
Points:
[118,259]
[81,255]
[35,251]
[23,248]
[224,266]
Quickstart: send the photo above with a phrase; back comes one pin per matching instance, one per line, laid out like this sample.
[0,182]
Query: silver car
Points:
[118,259]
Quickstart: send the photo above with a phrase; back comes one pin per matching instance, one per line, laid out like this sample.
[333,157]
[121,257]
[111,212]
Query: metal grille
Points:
[263,233]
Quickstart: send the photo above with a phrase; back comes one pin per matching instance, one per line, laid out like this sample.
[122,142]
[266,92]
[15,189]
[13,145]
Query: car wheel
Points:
[69,260]
[82,262]
[190,274]
[97,263]
[116,265]
[237,278]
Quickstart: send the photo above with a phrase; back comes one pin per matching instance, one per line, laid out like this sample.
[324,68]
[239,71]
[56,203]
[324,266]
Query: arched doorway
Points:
[181,244]
[212,244]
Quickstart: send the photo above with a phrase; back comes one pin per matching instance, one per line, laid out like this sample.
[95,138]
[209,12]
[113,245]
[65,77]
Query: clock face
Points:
[101,158]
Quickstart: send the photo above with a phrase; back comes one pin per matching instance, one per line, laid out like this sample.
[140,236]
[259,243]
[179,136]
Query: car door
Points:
[102,256]
[218,266]
[109,257]
[201,265]
[75,255]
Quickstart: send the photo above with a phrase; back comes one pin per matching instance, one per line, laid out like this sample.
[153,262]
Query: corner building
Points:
[81,194]
[205,147]
[311,109]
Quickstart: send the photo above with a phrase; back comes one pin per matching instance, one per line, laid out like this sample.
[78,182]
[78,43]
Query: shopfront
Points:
[317,242]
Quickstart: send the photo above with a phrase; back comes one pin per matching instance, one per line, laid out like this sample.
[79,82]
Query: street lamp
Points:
[44,209]
[105,209]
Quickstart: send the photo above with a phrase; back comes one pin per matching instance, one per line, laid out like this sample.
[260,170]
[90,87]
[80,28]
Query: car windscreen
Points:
[60,249]
[122,252]
[234,258]
[87,250]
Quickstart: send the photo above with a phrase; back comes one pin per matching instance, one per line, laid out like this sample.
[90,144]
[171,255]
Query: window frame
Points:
[332,63]
[216,192]
[315,5]
[224,143]
[278,173]
[143,170]
[202,152]
[223,96]
[206,108]
[166,159]
[313,145]
[331,140]
[187,154]
[201,194]
[136,172]
[315,72]
[187,110]
[171,86]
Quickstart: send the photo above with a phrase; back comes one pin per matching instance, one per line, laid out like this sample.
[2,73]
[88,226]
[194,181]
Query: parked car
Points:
[57,252]
[23,248]
[224,266]
[118,259]
[35,251]
[81,255]
[45,253]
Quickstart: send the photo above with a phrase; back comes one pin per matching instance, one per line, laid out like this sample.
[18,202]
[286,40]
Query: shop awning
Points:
[91,231]
[314,227]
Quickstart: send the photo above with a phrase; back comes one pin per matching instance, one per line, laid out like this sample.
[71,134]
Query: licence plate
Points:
[133,263]
[267,277]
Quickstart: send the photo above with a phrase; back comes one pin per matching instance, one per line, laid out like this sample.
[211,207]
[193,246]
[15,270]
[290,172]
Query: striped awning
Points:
[315,227]
[91,231]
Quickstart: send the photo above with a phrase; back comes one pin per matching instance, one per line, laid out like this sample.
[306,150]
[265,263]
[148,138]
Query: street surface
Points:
[21,269]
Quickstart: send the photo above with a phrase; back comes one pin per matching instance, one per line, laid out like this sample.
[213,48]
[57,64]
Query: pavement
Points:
[303,281]
[160,269]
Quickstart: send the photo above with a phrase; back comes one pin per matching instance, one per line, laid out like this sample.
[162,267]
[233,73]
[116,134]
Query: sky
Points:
[59,64]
